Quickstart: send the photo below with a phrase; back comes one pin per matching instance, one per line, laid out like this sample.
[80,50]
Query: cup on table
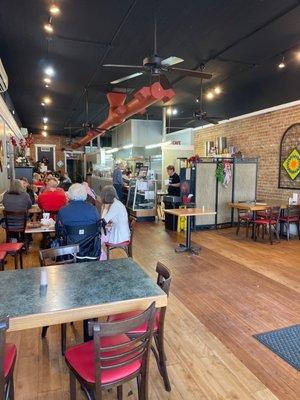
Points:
[46,215]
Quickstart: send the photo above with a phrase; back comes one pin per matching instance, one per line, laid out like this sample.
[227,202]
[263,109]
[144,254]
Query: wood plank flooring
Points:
[218,300]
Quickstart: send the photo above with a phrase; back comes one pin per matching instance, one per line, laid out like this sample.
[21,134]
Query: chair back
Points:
[15,221]
[272,213]
[131,222]
[163,277]
[60,255]
[293,211]
[122,354]
[4,323]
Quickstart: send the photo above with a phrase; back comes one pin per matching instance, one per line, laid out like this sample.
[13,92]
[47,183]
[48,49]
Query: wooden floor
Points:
[219,299]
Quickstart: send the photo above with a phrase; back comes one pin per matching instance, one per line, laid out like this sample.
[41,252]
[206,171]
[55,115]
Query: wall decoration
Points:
[289,159]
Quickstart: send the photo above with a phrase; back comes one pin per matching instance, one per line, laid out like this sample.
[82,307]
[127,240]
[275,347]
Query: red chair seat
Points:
[11,247]
[265,221]
[245,217]
[121,244]
[139,330]
[10,353]
[289,219]
[82,360]
[2,255]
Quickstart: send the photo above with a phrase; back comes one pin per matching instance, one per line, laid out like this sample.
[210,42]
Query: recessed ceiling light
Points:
[45,120]
[174,111]
[44,133]
[210,95]
[48,27]
[282,65]
[54,9]
[47,100]
[42,103]
[217,90]
[47,80]
[46,86]
[49,71]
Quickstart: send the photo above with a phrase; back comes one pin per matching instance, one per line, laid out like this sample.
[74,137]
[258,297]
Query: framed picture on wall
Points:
[289,159]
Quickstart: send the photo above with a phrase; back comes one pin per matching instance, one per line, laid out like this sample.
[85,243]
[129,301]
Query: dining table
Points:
[189,213]
[75,292]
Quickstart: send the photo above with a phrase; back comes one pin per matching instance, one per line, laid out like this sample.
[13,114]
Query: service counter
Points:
[98,182]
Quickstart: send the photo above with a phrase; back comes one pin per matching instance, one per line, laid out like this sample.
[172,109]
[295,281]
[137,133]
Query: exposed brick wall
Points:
[257,136]
[59,141]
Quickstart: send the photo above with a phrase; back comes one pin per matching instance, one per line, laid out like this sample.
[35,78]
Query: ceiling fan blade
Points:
[126,78]
[210,120]
[165,83]
[172,60]
[190,72]
[123,66]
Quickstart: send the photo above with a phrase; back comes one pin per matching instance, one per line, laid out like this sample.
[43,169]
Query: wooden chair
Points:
[164,282]
[2,260]
[291,216]
[244,218]
[53,254]
[126,246]
[8,354]
[112,358]
[15,250]
[270,221]
[15,226]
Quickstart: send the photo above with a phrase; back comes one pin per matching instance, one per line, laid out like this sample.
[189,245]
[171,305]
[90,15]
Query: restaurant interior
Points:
[150,200]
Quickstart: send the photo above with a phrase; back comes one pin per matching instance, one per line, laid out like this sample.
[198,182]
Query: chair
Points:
[8,354]
[244,218]
[53,255]
[112,358]
[15,250]
[2,260]
[292,216]
[15,225]
[270,221]
[126,246]
[164,282]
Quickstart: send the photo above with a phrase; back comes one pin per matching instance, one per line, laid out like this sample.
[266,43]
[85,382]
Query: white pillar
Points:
[164,124]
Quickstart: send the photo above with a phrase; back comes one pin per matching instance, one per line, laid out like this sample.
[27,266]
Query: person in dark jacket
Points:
[79,222]
[16,198]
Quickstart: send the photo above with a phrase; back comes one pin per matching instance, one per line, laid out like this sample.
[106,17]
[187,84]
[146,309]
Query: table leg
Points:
[187,247]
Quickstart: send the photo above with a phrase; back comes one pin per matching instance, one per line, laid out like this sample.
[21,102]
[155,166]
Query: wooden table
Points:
[75,292]
[34,210]
[42,229]
[189,213]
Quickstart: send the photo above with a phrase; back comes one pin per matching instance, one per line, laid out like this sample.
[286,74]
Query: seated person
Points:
[115,216]
[16,198]
[52,198]
[28,189]
[79,222]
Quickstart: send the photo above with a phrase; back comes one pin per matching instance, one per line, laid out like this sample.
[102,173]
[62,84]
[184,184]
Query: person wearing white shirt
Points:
[115,216]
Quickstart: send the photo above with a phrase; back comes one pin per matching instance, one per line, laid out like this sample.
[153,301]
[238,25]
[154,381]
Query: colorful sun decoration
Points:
[292,164]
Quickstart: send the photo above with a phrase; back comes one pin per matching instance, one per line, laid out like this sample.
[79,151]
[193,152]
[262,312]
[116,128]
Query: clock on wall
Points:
[60,164]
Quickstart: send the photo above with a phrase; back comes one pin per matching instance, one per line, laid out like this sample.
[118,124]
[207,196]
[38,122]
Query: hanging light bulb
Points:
[174,111]
[54,9]
[282,64]
[48,27]
[169,111]
[197,100]
[49,71]
[47,80]
[47,100]
[210,95]
[45,120]
[45,127]
[298,55]
[44,133]
[42,104]
[217,90]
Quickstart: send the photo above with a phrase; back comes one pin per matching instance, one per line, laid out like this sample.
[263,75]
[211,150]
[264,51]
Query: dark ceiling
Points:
[240,42]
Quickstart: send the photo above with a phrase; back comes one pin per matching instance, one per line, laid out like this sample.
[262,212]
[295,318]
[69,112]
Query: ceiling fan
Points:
[201,115]
[87,125]
[157,66]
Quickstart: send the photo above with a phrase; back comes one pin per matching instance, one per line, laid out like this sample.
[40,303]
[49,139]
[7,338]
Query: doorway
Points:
[74,162]
[46,154]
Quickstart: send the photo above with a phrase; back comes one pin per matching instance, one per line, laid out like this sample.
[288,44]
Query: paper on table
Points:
[149,195]
[141,185]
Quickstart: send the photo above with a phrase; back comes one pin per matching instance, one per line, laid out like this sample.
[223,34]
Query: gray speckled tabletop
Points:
[73,286]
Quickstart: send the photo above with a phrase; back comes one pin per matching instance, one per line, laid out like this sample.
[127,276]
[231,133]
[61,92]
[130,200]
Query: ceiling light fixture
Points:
[210,95]
[48,27]
[42,104]
[45,120]
[54,9]
[298,55]
[45,127]
[169,111]
[282,64]
[217,90]
[128,146]
[49,71]
[46,86]
[174,111]
[44,133]
[47,100]
[47,80]
[197,100]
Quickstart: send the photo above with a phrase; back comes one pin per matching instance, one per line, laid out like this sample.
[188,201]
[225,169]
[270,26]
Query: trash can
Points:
[171,220]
